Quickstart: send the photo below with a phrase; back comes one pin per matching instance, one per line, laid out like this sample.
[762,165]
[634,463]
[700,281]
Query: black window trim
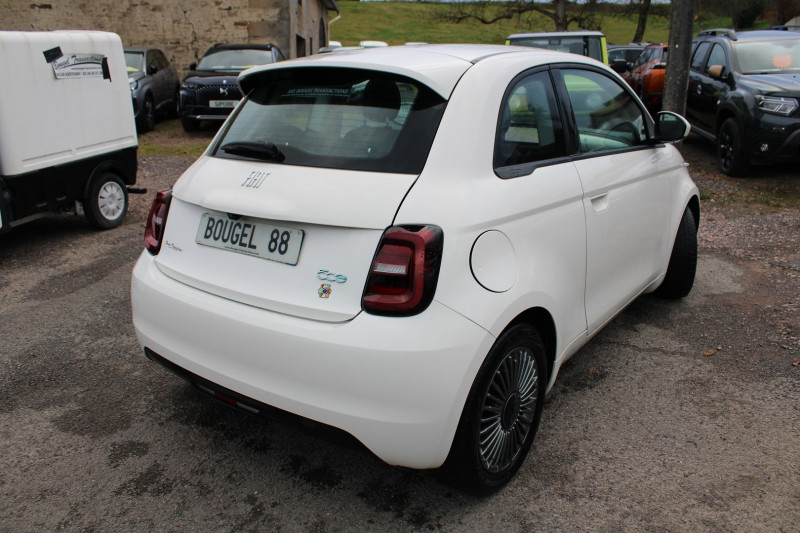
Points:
[526,169]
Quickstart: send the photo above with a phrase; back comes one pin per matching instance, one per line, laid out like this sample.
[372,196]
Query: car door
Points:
[625,191]
[709,90]
[537,204]
[156,74]
[693,95]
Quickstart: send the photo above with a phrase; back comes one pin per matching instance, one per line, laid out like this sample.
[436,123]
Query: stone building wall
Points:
[184,30]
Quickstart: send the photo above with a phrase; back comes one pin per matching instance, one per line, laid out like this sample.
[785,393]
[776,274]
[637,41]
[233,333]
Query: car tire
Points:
[173,111]
[189,124]
[730,150]
[107,202]
[501,414]
[679,279]
[147,120]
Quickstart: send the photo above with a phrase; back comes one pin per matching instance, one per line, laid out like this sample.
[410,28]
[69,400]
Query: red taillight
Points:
[403,276]
[156,221]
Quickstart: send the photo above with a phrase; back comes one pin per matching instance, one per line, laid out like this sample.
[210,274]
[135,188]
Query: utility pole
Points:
[680,47]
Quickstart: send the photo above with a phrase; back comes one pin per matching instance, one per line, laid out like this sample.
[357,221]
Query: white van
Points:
[67,133]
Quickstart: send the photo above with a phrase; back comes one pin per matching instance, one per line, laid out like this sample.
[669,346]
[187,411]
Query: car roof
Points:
[240,46]
[754,35]
[557,34]
[766,34]
[439,66]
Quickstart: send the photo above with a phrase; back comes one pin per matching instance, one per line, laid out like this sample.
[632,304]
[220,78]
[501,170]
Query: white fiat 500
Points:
[406,243]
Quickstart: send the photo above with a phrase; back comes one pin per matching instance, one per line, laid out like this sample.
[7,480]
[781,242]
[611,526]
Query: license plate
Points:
[226,104]
[245,236]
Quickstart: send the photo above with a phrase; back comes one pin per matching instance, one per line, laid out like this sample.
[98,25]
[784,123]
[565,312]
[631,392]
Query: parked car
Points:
[308,262]
[209,91]
[647,74]
[154,85]
[622,56]
[586,43]
[743,94]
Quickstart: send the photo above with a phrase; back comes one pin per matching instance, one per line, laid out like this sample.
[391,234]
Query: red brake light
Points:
[404,272]
[156,221]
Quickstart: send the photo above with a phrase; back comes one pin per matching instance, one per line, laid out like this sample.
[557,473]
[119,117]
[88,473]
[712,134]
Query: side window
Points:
[161,61]
[643,58]
[607,117]
[699,56]
[716,57]
[529,129]
[152,62]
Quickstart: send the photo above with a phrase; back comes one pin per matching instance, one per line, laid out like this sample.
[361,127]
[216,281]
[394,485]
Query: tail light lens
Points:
[404,272]
[156,221]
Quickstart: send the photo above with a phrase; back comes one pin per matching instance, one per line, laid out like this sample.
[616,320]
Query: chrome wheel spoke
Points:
[508,410]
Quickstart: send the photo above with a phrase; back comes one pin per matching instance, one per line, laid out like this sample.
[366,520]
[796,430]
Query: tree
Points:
[489,12]
[680,47]
[644,10]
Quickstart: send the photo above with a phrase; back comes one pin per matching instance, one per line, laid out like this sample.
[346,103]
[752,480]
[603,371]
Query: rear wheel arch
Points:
[109,166]
[694,206]
[541,320]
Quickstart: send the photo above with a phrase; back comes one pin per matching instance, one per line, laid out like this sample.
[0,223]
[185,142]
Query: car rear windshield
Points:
[769,57]
[335,118]
[234,60]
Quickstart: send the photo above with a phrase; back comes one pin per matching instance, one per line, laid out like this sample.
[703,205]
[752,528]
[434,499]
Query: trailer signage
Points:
[79,66]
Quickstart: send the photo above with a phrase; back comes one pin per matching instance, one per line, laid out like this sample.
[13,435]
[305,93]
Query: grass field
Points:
[401,22]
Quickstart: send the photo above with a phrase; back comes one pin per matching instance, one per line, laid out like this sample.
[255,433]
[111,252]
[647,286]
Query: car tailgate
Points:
[294,240]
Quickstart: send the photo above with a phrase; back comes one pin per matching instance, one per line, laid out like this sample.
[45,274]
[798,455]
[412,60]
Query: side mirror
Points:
[671,127]
[152,69]
[620,65]
[717,72]
[192,66]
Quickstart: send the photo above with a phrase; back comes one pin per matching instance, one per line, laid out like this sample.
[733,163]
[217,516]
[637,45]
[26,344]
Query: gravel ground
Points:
[679,416]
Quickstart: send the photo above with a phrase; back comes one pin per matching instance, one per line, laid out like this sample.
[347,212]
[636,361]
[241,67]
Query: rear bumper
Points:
[398,385]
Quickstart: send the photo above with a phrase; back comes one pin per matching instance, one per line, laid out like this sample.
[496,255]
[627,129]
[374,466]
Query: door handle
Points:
[600,202]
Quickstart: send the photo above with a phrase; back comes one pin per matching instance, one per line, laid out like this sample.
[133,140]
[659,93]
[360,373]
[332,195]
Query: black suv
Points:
[744,94]
[209,91]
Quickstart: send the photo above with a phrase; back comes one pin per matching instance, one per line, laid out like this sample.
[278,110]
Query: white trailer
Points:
[67,132]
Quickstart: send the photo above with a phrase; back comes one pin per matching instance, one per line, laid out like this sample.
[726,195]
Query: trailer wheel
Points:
[107,203]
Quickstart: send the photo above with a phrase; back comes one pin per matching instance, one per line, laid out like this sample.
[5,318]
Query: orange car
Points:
[646,77]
